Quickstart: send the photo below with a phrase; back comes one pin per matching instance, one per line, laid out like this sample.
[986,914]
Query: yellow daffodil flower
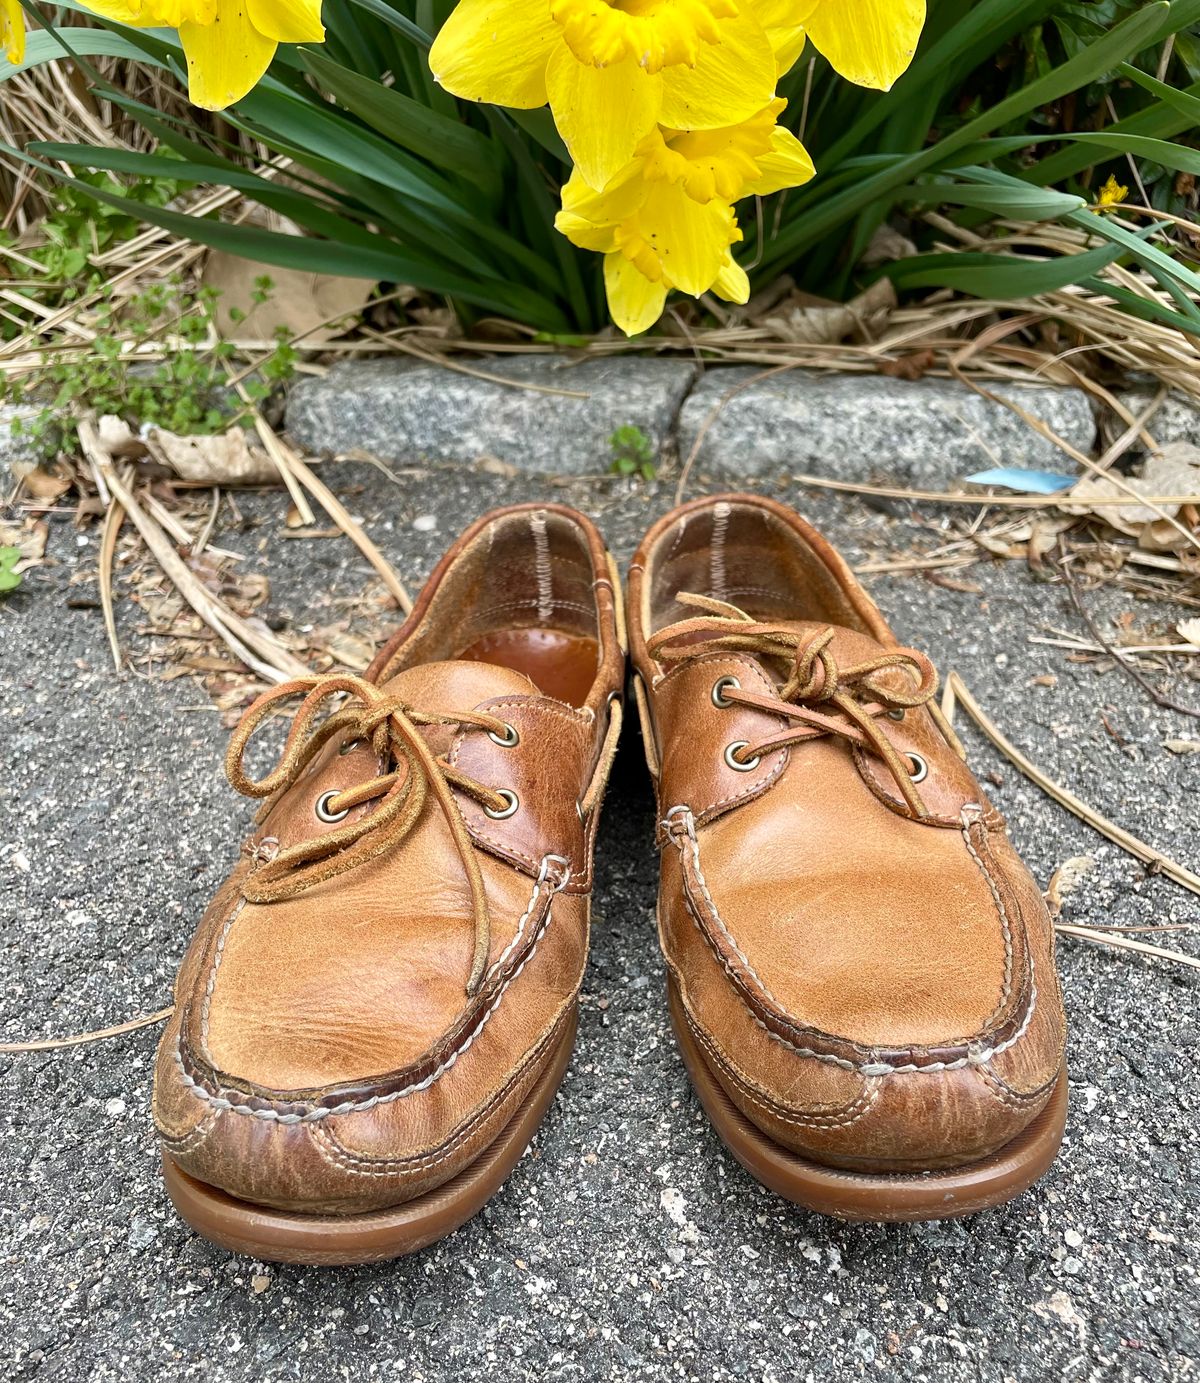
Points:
[654,237]
[228,44]
[12,31]
[1111,194]
[758,156]
[667,220]
[612,69]
[869,42]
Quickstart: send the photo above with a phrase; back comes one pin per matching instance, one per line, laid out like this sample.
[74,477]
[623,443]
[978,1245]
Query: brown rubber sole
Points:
[884,1197]
[283,1236]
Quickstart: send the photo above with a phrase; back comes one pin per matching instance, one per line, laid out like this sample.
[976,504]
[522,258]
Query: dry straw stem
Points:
[49,1044]
[280,456]
[258,650]
[1045,430]
[957,692]
[1125,943]
[114,516]
[338,512]
[978,500]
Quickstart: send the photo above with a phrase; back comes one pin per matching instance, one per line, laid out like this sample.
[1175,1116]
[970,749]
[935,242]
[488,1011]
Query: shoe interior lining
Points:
[520,595]
[746,555]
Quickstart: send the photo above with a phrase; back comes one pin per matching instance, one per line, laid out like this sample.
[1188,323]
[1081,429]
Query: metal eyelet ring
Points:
[509,740]
[919,770]
[896,713]
[719,686]
[349,746]
[513,803]
[323,812]
[738,765]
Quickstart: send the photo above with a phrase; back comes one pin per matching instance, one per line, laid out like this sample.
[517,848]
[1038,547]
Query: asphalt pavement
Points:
[627,1244]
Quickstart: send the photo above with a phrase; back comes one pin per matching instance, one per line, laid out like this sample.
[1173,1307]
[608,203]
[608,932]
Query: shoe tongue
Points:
[456,685]
[848,646]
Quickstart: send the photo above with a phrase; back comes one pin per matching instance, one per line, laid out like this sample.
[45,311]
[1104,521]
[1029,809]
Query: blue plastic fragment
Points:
[1024,482]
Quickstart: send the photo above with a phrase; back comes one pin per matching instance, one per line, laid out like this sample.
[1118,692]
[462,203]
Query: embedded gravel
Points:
[627,1244]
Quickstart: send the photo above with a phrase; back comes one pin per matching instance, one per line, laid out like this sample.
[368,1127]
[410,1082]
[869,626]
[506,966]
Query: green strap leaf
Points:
[446,143]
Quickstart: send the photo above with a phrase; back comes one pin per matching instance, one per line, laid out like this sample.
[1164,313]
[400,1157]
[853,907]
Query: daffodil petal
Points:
[732,283]
[225,58]
[691,239]
[787,165]
[602,113]
[288,21]
[12,31]
[784,33]
[731,81]
[496,50]
[869,42]
[618,201]
[133,15]
[634,302]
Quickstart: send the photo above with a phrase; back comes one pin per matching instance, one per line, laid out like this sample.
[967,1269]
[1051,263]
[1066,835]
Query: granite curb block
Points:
[857,427]
[929,433]
[412,413]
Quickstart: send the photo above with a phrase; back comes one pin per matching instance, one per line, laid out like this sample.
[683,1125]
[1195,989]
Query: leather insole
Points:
[559,664]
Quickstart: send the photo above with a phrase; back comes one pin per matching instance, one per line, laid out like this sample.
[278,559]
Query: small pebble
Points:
[425,523]
[1073,1239]
[115,1107]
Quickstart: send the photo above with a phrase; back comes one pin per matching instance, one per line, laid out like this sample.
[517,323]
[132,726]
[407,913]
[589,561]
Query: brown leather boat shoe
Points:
[861,970]
[381,1000]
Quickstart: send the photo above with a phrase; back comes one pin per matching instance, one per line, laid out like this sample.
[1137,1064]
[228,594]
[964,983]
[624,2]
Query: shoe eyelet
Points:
[513,803]
[349,746]
[719,686]
[323,812]
[509,740]
[738,766]
[919,770]
[896,713]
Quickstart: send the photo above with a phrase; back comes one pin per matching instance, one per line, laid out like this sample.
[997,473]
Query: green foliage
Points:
[1012,109]
[632,453]
[9,579]
[81,225]
[186,391]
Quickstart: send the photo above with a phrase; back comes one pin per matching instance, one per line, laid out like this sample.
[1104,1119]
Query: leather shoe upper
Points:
[381,981]
[863,960]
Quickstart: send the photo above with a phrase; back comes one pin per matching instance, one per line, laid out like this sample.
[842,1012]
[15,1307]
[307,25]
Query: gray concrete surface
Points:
[627,1244]
[412,413]
[928,432]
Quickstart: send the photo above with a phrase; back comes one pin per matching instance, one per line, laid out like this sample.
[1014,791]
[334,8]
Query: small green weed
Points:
[632,453]
[9,579]
[185,392]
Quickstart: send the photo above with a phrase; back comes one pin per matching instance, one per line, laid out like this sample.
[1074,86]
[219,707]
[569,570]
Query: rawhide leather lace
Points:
[851,699]
[391,727]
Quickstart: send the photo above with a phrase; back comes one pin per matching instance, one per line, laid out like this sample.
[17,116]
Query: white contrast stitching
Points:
[859,1107]
[218,955]
[870,1068]
[336,1155]
[542,567]
[219,1101]
[1006,988]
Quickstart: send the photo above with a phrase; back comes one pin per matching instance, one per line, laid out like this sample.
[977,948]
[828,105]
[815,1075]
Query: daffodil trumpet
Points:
[667,220]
